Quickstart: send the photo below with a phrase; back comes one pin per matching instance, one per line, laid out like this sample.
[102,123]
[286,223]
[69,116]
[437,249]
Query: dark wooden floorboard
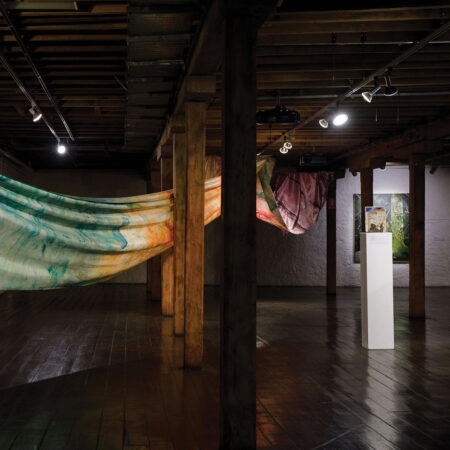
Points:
[98,368]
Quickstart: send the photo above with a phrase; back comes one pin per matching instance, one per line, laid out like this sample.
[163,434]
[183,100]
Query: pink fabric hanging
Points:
[299,198]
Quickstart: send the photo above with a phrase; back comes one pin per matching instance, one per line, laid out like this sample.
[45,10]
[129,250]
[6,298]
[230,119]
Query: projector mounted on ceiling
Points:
[278,115]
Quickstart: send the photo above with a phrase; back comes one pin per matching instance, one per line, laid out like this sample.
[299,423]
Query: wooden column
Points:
[179,228]
[195,114]
[416,236]
[167,272]
[149,261]
[154,264]
[238,312]
[331,239]
[366,179]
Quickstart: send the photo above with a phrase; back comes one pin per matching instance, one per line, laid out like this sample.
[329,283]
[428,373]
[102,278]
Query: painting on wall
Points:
[397,223]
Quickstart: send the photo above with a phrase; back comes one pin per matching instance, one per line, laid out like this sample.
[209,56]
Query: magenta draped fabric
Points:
[299,198]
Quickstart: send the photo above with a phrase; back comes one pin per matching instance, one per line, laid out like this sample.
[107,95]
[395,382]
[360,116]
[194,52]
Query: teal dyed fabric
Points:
[49,240]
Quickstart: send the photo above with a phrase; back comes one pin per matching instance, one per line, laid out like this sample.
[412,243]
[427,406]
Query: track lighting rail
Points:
[377,73]
[39,76]
[25,92]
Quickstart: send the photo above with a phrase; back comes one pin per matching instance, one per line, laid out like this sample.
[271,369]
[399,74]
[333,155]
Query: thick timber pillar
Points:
[179,228]
[366,179]
[195,116]
[416,236]
[154,264]
[238,312]
[331,238]
[167,272]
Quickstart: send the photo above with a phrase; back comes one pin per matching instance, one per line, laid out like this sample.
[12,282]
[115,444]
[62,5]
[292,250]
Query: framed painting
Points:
[397,223]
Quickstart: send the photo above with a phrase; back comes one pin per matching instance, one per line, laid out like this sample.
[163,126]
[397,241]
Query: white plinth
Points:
[377,291]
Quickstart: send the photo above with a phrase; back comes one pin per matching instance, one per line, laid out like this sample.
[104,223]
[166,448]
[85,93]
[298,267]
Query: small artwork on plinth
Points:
[375,219]
[397,222]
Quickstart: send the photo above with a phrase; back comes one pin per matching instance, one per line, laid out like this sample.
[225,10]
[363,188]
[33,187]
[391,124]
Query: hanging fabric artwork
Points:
[299,198]
[50,240]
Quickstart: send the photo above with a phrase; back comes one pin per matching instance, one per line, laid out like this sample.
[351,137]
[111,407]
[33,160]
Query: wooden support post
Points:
[149,261]
[366,179]
[179,227]
[331,238]
[195,113]
[154,264]
[238,312]
[416,236]
[167,272]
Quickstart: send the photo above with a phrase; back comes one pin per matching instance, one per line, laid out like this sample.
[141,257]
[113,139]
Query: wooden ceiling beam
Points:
[399,146]
[388,38]
[199,82]
[432,12]
[300,28]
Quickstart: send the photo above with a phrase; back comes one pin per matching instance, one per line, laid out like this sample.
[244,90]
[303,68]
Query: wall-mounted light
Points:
[37,115]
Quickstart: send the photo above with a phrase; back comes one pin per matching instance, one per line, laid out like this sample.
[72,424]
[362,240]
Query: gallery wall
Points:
[287,260]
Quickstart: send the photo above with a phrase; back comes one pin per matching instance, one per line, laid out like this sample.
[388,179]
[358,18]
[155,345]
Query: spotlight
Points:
[389,90]
[339,119]
[35,113]
[368,95]
[323,123]
[61,149]
[286,146]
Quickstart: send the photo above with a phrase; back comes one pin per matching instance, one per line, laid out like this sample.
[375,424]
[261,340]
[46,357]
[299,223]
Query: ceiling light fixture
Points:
[368,95]
[336,118]
[37,115]
[287,145]
[61,149]
[340,119]
[389,90]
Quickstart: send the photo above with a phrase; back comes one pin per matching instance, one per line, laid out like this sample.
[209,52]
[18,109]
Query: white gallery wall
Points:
[288,260]
[437,224]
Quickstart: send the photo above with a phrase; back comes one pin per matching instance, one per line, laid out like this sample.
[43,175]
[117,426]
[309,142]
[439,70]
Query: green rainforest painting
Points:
[397,222]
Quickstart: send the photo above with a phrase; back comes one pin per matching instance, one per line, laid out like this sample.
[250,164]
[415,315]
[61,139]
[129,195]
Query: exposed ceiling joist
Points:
[429,136]
[369,79]
[33,65]
[42,6]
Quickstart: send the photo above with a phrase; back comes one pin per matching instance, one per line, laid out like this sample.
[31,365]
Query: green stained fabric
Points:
[50,240]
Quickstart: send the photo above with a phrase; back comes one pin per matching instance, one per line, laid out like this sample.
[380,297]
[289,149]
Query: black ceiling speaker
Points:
[279,115]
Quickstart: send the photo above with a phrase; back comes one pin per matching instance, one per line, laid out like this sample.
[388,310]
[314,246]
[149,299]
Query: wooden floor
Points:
[97,367]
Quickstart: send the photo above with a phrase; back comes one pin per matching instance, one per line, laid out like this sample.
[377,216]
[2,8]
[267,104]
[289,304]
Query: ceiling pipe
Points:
[7,19]
[7,155]
[25,92]
[262,98]
[377,73]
